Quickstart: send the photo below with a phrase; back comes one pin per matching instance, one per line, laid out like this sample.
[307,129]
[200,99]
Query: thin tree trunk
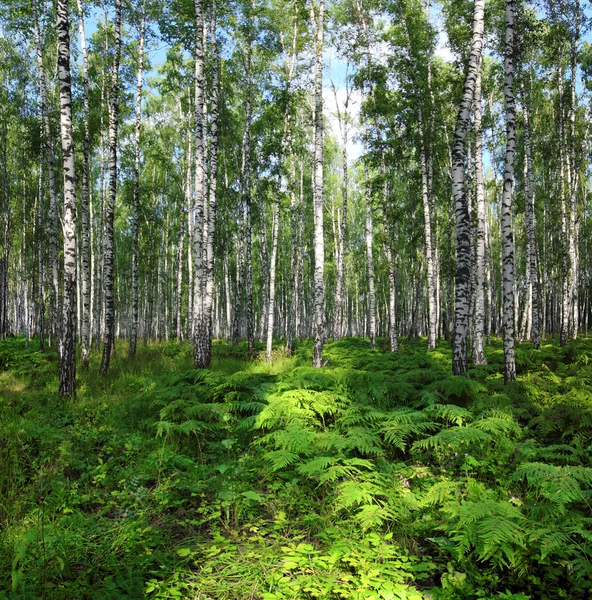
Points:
[506,221]
[318,194]
[68,342]
[200,330]
[340,296]
[48,152]
[209,284]
[478,342]
[286,143]
[109,262]
[84,200]
[370,260]
[136,206]
[531,228]
[461,213]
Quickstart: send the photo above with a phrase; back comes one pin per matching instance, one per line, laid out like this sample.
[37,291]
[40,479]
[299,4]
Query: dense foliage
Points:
[380,476]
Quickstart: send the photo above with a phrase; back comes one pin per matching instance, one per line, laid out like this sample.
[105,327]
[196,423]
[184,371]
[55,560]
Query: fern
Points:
[494,530]
[449,413]
[404,424]
[453,439]
[559,485]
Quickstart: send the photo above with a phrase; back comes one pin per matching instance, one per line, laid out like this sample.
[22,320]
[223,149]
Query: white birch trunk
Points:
[507,197]
[461,213]
[68,342]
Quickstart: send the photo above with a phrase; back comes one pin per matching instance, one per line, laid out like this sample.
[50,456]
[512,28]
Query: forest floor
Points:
[378,477]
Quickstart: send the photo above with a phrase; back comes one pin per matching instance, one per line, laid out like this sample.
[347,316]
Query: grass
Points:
[378,477]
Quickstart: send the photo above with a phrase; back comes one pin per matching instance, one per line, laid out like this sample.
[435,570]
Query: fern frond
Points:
[453,438]
[450,413]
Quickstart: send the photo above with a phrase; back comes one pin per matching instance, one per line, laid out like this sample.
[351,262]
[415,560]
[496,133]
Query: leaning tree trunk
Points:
[108,252]
[68,342]
[507,237]
[478,341]
[136,207]
[319,240]
[48,152]
[84,200]
[462,228]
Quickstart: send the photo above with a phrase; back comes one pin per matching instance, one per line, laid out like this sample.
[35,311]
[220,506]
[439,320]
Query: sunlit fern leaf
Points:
[296,438]
[498,426]
[331,440]
[453,439]
[363,440]
[439,493]
[558,484]
[370,516]
[455,389]
[354,493]
[494,529]
[358,415]
[280,459]
[403,424]
[450,413]
[317,466]
[353,467]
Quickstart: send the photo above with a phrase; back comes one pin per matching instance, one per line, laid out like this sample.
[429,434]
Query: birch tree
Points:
[109,250]
[68,354]
[507,196]
[462,229]
[85,195]
[317,15]
[136,206]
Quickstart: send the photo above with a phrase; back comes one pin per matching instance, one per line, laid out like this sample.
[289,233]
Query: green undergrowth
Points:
[379,476]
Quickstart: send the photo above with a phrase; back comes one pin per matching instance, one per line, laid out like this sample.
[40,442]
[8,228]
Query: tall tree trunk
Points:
[68,343]
[248,206]
[370,260]
[109,250]
[462,228]
[428,236]
[136,207]
[264,268]
[478,338]
[48,152]
[84,199]
[200,330]
[285,144]
[340,296]
[392,302]
[318,23]
[531,227]
[293,306]
[573,192]
[508,190]
[40,270]
[209,283]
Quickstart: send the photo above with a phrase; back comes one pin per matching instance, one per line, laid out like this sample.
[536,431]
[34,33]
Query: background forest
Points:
[294,299]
